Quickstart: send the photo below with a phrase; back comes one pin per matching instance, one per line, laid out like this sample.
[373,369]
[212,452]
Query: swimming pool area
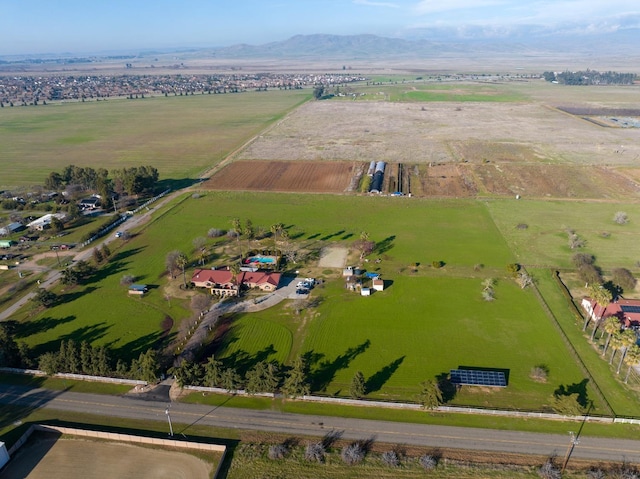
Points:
[260,259]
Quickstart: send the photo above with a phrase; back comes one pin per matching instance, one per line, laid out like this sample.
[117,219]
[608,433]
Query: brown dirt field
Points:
[51,458]
[289,176]
[552,180]
[438,132]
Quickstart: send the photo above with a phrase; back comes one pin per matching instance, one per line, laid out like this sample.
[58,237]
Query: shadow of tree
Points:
[447,388]
[375,382]
[579,388]
[89,333]
[28,328]
[347,236]
[19,400]
[156,340]
[242,361]
[324,373]
[114,267]
[70,297]
[176,184]
[332,235]
[385,245]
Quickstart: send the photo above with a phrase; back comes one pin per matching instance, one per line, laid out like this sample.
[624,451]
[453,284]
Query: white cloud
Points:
[425,7]
[370,3]
[544,12]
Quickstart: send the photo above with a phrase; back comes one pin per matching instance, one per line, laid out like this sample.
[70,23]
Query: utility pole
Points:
[166,411]
[573,442]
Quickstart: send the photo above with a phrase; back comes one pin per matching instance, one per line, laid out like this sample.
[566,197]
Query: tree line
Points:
[590,77]
[132,181]
[75,358]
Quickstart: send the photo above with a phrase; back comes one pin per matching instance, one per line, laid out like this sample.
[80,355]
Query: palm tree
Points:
[631,359]
[602,296]
[235,271]
[611,326]
[616,344]
[275,229]
[182,261]
[628,338]
[237,228]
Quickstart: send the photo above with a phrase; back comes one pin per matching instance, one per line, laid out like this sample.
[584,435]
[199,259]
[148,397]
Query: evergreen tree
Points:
[212,372]
[230,379]
[430,394]
[295,383]
[85,357]
[357,389]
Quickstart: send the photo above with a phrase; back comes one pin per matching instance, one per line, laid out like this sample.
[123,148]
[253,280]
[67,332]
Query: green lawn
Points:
[545,240]
[419,91]
[181,136]
[426,322]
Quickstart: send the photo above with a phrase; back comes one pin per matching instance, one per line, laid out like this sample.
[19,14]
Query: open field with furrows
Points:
[453,180]
[181,136]
[316,177]
[409,132]
[427,131]
[49,456]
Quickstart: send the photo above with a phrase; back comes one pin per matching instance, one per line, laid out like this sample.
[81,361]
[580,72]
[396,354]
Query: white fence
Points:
[77,377]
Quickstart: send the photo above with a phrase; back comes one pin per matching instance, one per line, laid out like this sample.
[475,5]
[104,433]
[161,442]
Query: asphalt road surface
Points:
[185,415]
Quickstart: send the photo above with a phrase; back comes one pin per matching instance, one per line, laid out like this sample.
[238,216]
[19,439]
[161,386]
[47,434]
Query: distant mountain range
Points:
[371,46]
[472,43]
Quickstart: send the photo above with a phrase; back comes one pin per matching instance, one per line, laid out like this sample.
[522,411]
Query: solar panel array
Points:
[629,308]
[475,377]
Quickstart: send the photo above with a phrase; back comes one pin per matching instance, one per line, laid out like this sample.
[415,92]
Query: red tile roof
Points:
[619,308]
[224,276]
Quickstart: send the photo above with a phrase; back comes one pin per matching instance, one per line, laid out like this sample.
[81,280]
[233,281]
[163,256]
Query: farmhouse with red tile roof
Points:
[626,310]
[220,281]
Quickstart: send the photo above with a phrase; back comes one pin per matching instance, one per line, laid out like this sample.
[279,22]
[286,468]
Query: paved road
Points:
[186,415]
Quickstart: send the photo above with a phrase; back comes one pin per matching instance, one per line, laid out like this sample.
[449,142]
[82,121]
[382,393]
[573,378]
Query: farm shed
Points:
[11,228]
[5,243]
[365,291]
[378,284]
[45,221]
[138,289]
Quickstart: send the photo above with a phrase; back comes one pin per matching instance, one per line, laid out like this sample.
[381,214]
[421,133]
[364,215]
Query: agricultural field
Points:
[287,176]
[544,240]
[456,141]
[425,323]
[48,456]
[181,136]
[445,131]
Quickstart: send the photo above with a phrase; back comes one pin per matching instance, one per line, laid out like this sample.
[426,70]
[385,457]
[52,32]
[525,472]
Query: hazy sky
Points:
[52,26]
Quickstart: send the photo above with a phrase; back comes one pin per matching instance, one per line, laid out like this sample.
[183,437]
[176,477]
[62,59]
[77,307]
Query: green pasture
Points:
[622,400]
[425,323]
[546,242]
[181,136]
[418,328]
[419,91]
[102,312]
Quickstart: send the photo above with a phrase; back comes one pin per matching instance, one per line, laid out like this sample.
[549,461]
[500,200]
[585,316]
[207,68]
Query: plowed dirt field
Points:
[293,176]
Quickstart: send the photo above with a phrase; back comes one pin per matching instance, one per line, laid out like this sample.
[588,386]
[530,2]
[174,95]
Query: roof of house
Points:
[138,287]
[46,219]
[627,310]
[224,276]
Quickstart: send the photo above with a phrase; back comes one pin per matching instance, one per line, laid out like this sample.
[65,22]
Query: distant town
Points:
[37,90]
